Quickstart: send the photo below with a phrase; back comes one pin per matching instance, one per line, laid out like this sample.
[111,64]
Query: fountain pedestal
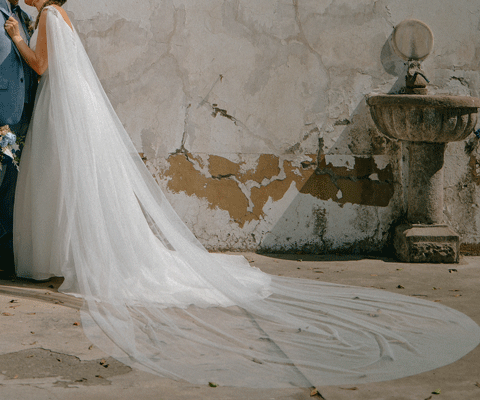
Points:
[426,238]
[427,244]
[427,123]
[425,182]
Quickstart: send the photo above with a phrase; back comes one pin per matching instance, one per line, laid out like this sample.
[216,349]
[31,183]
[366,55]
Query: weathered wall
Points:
[251,114]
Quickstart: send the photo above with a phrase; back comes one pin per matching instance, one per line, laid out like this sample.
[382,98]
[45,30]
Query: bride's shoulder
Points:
[52,8]
[59,12]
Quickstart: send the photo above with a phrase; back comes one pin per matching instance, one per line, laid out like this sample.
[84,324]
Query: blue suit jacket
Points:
[17,80]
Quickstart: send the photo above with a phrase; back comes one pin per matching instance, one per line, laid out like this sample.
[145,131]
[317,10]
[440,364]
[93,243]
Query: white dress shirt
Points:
[20,25]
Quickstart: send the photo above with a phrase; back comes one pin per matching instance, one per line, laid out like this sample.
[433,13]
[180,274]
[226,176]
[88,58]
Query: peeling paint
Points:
[355,184]
[229,189]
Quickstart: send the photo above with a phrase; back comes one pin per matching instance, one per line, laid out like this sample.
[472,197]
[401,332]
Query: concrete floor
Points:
[45,355]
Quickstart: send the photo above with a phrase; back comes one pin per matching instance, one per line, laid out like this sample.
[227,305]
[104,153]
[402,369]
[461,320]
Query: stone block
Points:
[427,244]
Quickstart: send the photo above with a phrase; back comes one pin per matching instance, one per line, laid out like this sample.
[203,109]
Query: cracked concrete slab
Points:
[39,329]
[70,371]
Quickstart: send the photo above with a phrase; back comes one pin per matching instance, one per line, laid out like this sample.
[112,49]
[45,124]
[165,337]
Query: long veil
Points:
[155,299]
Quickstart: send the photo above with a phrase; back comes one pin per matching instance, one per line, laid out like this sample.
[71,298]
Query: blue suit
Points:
[17,80]
[18,83]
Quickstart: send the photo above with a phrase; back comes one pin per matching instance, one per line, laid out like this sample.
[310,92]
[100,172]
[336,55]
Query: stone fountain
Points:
[427,123]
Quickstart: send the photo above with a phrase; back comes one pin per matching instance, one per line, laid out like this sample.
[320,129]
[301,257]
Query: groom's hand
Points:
[11,26]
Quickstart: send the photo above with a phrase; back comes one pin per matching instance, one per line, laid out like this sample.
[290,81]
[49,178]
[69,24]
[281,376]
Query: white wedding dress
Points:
[87,209]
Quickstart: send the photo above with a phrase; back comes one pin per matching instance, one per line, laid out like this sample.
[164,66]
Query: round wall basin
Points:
[424,118]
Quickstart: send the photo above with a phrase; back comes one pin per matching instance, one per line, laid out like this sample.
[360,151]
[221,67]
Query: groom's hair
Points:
[48,3]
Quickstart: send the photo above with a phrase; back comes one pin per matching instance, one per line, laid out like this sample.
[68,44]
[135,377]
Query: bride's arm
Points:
[38,59]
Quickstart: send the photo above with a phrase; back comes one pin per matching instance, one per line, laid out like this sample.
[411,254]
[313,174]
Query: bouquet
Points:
[7,141]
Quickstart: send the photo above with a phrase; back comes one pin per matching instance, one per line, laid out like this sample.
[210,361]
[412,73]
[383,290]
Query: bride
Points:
[87,209]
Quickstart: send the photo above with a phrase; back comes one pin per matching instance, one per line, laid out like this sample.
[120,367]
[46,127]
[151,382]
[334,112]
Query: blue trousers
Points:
[7,187]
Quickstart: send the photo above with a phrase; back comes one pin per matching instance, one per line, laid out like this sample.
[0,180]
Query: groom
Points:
[18,83]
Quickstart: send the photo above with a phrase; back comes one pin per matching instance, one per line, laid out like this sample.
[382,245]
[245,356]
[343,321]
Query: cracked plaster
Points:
[236,103]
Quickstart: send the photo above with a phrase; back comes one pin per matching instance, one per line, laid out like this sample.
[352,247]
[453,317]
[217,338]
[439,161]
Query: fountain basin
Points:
[424,118]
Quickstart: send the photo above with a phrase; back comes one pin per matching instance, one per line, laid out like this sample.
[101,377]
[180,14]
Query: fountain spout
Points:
[415,81]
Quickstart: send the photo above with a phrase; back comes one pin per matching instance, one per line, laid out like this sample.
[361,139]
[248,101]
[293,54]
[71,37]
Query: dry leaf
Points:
[452,270]
[315,392]
[31,344]
[477,384]
[76,323]
[31,313]
[429,398]
[352,388]
[7,314]
[15,377]
[90,347]
[373,275]
[400,287]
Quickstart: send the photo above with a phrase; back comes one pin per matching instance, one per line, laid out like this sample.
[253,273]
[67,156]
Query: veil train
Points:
[155,299]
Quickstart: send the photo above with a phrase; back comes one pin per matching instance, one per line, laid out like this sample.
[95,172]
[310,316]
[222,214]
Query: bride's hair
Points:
[48,3]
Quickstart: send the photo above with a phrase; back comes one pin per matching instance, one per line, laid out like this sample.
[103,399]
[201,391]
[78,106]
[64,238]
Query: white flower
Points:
[8,139]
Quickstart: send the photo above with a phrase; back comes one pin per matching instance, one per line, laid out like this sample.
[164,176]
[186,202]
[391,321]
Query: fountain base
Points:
[427,244]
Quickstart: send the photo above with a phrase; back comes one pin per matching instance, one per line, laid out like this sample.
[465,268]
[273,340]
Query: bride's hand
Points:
[11,26]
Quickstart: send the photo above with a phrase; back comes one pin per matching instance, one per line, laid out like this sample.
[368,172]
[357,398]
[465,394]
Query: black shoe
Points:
[7,266]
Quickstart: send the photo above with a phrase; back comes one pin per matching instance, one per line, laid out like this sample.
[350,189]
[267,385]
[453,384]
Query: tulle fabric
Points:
[87,209]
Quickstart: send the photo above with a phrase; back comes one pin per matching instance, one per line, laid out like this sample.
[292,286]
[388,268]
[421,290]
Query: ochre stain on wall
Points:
[277,188]
[320,186]
[227,187]
[222,190]
[221,167]
[222,193]
[267,168]
[354,186]
[365,192]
